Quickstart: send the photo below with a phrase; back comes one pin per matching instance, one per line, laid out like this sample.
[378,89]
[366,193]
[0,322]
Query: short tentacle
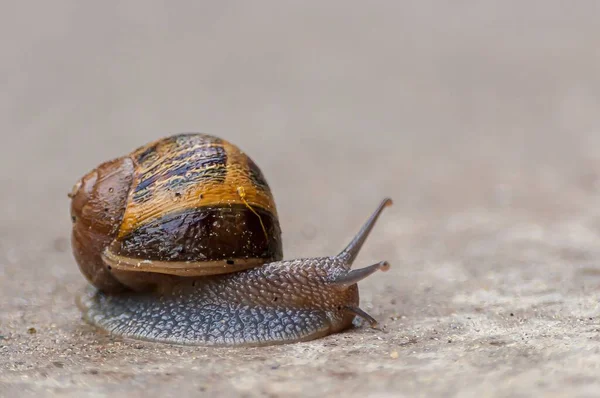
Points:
[360,313]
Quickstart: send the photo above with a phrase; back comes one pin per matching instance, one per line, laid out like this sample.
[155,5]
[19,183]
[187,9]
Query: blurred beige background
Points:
[479,118]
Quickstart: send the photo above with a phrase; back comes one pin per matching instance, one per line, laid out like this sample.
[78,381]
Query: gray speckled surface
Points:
[479,119]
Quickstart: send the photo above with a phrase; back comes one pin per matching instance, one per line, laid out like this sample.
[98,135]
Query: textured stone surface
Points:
[480,120]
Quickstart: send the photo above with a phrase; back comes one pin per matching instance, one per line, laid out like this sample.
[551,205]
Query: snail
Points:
[180,242]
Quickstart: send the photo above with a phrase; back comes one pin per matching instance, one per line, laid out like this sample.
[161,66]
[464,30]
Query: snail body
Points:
[180,242]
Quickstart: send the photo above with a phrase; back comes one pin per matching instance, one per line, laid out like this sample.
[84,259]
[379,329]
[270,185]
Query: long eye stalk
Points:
[355,276]
[348,255]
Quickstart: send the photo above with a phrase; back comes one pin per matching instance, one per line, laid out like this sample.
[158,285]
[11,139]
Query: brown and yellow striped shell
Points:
[185,205]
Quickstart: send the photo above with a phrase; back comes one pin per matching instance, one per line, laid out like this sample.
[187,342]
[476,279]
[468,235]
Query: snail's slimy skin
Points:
[276,303]
[281,302]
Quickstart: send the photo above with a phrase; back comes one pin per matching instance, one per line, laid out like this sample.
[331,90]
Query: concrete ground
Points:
[480,120]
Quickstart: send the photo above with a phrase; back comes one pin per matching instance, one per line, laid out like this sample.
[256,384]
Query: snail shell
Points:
[189,205]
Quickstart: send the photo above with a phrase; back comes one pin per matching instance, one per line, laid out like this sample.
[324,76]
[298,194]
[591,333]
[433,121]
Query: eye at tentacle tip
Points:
[384,266]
